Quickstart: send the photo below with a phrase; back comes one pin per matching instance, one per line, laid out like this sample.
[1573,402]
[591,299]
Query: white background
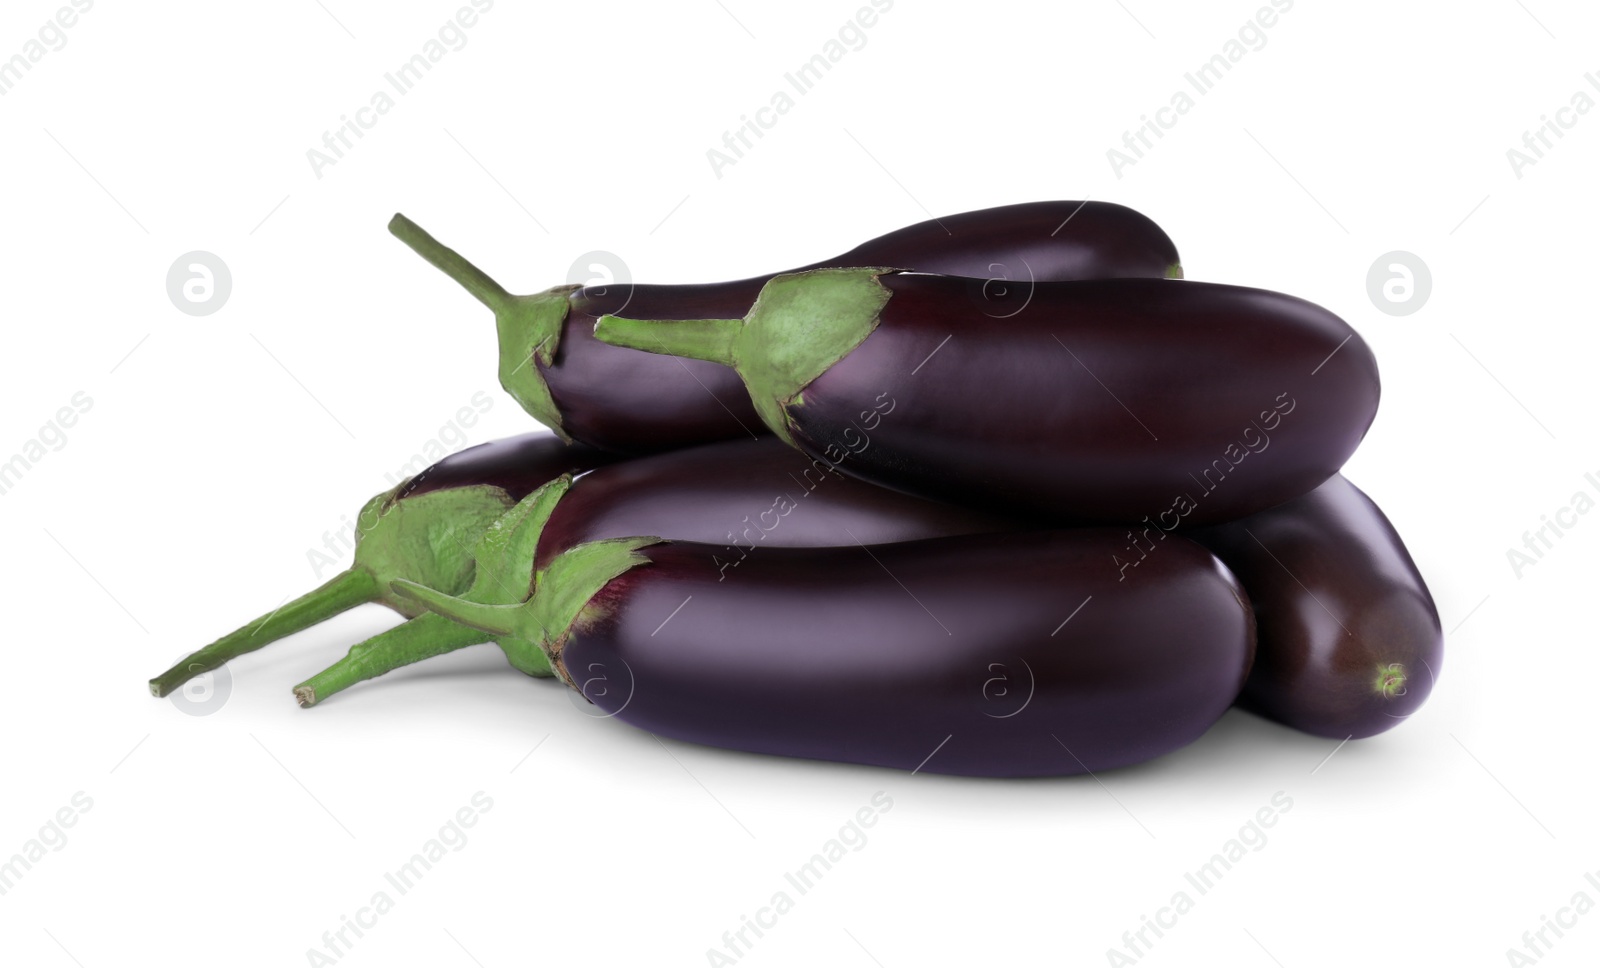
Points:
[219,449]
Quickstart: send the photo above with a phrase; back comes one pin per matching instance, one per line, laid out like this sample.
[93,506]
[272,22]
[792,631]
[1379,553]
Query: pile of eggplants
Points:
[996,494]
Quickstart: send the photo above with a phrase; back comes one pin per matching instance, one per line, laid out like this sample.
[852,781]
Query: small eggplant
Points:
[1016,654]
[423,529]
[637,403]
[1349,642]
[741,497]
[1097,401]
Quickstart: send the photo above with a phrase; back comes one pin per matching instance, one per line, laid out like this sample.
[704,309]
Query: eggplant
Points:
[741,497]
[635,403]
[1348,638]
[1175,403]
[1004,655]
[424,528]
[518,465]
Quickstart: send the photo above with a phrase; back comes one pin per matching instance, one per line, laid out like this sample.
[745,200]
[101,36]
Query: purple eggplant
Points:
[1016,654]
[424,529]
[634,403]
[1349,642]
[741,497]
[1179,403]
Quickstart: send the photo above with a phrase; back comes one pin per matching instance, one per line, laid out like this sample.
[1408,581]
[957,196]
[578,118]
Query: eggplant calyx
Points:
[503,580]
[528,614]
[428,538]
[502,567]
[563,598]
[801,324]
[1175,271]
[505,576]
[528,327]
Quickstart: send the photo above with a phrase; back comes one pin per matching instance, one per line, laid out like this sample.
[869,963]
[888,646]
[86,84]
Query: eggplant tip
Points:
[1390,682]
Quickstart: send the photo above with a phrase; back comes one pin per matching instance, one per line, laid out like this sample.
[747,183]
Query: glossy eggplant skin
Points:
[1007,655]
[1177,403]
[1349,639]
[635,402]
[741,496]
[517,465]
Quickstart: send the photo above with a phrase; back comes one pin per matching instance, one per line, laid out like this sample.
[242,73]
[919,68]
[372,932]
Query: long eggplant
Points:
[636,403]
[423,529]
[1348,639]
[1175,403]
[1017,654]
[741,497]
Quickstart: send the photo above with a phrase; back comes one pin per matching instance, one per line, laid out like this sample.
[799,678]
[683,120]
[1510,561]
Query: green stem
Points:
[451,263]
[421,638]
[346,590]
[496,620]
[562,592]
[801,324]
[698,339]
[528,327]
